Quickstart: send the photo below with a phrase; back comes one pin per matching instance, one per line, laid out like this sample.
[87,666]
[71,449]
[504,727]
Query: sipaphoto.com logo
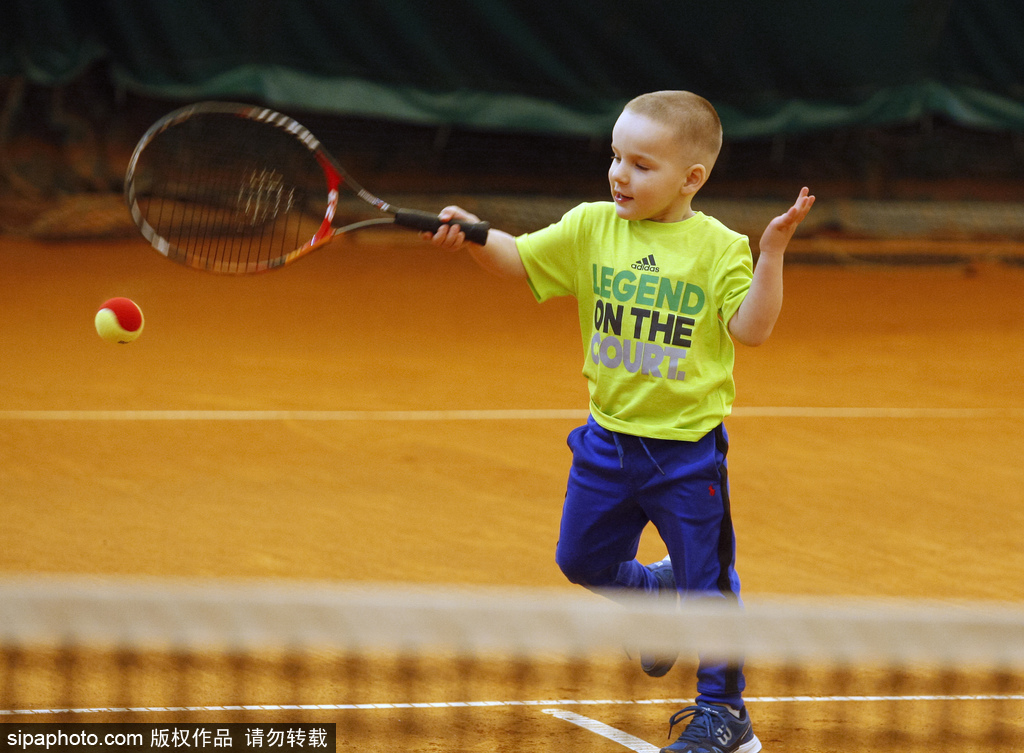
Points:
[647,264]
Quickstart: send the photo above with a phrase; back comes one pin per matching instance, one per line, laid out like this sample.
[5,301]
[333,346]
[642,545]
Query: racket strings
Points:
[227,194]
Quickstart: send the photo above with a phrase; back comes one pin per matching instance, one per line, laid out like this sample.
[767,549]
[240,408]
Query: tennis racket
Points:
[238,189]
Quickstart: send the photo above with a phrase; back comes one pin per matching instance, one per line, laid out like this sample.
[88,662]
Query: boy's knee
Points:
[573,572]
[577,570]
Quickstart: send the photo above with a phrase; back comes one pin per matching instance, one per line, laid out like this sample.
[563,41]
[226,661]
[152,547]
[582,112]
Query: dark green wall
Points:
[770,66]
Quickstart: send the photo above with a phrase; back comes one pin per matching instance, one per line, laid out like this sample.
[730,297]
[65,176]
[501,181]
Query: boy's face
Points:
[651,176]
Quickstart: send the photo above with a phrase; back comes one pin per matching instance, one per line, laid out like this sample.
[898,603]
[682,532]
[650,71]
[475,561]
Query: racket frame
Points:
[334,174]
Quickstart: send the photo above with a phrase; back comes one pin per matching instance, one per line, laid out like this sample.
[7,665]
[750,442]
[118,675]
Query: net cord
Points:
[246,615]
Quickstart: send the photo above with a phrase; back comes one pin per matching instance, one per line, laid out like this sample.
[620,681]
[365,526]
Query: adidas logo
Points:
[647,264]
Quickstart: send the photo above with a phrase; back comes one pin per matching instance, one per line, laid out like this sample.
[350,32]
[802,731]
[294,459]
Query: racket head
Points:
[233,188]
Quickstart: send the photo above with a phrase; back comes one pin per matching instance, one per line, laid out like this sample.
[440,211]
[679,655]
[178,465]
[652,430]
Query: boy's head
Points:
[692,118]
[664,145]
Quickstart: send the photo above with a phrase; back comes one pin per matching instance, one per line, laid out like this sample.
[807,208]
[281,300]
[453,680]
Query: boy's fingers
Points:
[440,236]
[448,237]
[456,213]
[456,236]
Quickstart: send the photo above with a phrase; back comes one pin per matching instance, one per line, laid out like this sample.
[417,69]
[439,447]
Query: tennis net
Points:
[426,669]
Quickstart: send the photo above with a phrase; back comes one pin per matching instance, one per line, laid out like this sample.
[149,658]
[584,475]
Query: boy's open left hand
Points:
[780,230]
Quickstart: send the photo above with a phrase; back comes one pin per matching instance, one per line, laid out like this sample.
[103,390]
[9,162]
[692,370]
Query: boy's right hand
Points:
[450,236]
[499,255]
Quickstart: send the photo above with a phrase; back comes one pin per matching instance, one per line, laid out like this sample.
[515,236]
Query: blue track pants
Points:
[617,485]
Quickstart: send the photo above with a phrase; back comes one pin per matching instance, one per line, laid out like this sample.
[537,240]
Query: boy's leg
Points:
[601,521]
[686,496]
[690,506]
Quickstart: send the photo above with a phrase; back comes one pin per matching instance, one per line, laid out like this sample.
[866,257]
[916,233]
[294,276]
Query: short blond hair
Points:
[693,117]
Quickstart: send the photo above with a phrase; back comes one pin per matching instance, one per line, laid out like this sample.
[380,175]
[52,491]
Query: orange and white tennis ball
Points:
[119,320]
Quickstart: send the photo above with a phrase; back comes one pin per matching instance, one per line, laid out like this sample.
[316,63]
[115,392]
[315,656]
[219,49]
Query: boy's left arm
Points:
[754,320]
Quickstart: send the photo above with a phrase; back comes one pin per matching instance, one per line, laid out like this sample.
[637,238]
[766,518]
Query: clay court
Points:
[382,415]
[382,412]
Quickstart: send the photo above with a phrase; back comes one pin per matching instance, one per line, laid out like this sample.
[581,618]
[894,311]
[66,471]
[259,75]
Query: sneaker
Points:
[713,729]
[658,666]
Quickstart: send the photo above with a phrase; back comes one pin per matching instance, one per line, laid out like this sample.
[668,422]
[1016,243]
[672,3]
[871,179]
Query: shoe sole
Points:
[659,666]
[750,746]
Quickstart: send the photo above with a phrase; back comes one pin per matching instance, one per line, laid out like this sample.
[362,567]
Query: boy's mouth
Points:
[621,198]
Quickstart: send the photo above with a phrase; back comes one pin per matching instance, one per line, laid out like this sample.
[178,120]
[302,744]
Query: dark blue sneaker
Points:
[713,729]
[658,666]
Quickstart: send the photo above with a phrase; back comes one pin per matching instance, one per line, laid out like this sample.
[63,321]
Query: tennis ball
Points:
[119,320]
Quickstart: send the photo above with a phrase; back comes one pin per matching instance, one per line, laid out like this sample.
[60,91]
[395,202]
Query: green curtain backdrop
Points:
[556,66]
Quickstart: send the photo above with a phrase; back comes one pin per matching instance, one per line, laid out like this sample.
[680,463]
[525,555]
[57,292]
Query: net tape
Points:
[164,614]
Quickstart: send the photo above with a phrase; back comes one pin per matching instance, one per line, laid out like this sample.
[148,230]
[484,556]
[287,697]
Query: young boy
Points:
[662,292]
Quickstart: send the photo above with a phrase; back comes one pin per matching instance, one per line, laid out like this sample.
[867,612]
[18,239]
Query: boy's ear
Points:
[695,178]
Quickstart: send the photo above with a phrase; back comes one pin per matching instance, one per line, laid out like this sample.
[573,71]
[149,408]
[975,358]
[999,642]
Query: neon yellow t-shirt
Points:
[654,300]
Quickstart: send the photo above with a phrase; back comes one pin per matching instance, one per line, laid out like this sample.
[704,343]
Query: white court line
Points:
[600,728]
[485,415]
[289,415]
[504,704]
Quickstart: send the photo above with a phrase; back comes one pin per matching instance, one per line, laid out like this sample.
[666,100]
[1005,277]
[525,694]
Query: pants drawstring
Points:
[618,447]
[622,453]
[648,451]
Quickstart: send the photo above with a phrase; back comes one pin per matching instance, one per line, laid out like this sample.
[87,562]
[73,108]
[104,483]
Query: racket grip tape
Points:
[476,232]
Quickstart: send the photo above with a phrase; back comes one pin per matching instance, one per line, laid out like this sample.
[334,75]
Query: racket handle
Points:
[476,232]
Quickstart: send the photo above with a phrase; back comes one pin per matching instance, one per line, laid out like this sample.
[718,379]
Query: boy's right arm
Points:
[500,255]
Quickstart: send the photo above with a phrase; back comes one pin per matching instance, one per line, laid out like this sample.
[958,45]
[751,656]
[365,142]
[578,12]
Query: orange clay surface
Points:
[921,494]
